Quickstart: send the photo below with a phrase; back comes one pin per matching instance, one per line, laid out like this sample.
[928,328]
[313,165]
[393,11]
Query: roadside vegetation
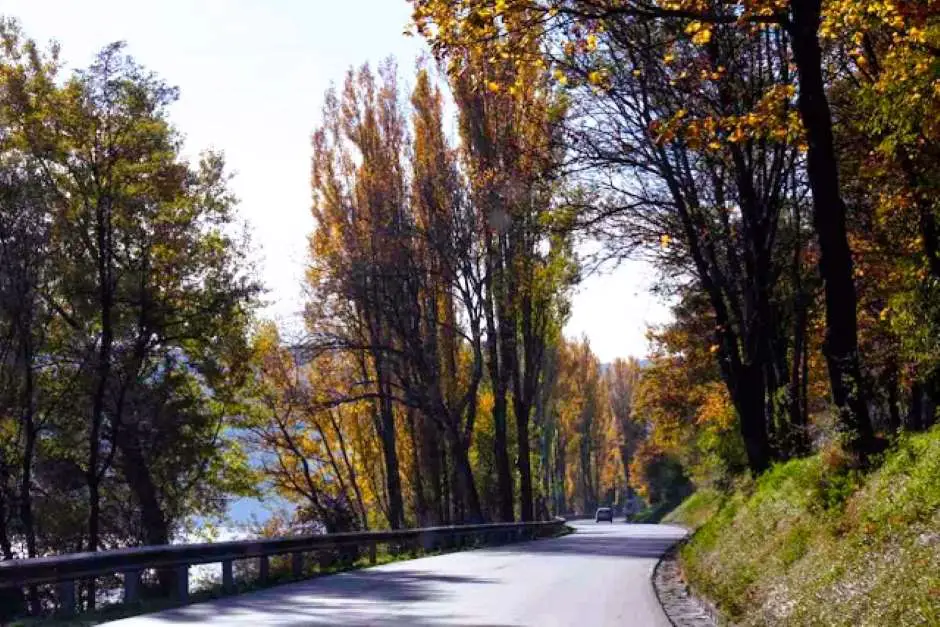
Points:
[776,162]
[812,542]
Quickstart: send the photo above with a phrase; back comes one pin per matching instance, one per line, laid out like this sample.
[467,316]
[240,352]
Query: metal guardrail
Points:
[65,570]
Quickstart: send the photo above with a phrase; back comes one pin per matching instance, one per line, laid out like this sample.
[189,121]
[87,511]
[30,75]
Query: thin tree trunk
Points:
[29,449]
[797,418]
[470,497]
[523,410]
[829,219]
[894,409]
[393,479]
[915,412]
[104,237]
[499,381]
[421,504]
[748,399]
[153,520]
[351,470]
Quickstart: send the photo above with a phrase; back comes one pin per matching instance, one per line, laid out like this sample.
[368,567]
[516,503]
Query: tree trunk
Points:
[153,521]
[463,473]
[446,496]
[418,487]
[523,409]
[525,388]
[29,450]
[915,412]
[500,382]
[932,390]
[829,219]
[748,399]
[396,509]
[894,409]
[797,419]
[104,236]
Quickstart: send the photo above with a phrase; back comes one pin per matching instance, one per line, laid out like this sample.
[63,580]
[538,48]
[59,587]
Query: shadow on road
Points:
[605,541]
[412,594]
[353,599]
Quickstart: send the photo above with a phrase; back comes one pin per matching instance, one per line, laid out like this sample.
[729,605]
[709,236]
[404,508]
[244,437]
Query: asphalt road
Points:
[598,576]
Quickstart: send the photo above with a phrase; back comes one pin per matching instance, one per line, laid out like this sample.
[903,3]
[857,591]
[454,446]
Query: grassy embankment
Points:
[812,543]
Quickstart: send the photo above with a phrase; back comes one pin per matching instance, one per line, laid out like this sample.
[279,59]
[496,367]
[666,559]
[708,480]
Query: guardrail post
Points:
[131,586]
[263,568]
[325,558]
[372,551]
[66,592]
[228,579]
[182,583]
[297,565]
[428,543]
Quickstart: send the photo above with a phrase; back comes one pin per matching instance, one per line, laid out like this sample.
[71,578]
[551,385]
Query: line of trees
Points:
[139,391]
[774,160]
[432,385]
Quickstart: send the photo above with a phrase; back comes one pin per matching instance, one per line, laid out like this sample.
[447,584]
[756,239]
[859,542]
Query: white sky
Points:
[252,74]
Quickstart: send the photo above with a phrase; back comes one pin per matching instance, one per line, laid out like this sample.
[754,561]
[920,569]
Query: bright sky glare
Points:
[252,74]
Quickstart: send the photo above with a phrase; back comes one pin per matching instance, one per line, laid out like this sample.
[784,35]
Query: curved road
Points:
[598,576]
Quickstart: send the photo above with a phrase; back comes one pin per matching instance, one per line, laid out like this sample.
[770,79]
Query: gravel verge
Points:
[682,607]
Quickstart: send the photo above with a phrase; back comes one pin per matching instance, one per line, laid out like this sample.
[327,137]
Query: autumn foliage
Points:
[776,161]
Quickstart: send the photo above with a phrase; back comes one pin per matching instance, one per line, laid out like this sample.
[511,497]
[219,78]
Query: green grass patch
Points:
[814,543]
[696,510]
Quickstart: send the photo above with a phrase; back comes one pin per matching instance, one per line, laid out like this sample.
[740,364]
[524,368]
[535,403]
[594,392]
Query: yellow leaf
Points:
[702,37]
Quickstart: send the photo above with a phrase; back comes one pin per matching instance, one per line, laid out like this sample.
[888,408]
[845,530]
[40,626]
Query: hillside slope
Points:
[810,543]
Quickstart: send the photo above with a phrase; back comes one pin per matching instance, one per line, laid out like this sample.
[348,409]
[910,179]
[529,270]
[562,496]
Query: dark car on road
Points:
[604,513]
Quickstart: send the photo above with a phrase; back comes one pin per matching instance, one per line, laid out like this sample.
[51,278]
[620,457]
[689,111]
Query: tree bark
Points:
[153,521]
[748,398]
[523,462]
[29,448]
[499,380]
[396,509]
[463,472]
[421,505]
[104,235]
[829,219]
[894,409]
[915,413]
